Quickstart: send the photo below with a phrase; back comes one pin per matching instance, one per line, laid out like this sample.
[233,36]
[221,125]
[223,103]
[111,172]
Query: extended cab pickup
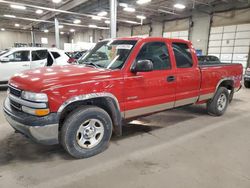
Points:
[80,106]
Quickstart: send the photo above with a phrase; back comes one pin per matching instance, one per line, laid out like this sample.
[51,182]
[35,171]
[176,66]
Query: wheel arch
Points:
[227,83]
[106,101]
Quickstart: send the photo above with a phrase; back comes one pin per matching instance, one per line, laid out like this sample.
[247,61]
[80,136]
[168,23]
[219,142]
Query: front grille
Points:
[15,91]
[15,105]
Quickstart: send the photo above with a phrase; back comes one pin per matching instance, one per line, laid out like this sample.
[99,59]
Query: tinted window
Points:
[50,60]
[39,55]
[55,54]
[182,55]
[19,56]
[157,52]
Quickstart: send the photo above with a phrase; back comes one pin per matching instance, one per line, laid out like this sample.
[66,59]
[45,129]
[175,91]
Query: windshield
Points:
[108,54]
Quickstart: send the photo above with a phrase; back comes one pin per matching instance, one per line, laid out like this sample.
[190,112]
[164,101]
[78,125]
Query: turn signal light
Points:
[41,112]
[37,112]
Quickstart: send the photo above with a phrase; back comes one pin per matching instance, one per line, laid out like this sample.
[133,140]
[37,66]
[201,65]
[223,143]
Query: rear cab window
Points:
[183,55]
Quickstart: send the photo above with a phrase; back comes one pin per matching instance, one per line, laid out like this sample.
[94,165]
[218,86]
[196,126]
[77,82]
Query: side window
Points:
[50,60]
[157,52]
[55,55]
[19,56]
[182,55]
[39,55]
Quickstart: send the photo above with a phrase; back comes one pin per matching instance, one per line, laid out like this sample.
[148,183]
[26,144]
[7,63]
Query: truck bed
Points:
[213,74]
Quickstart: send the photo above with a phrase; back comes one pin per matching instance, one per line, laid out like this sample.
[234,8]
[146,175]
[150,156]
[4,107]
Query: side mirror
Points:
[143,66]
[4,60]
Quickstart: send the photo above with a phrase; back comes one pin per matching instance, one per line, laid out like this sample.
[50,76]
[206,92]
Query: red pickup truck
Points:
[80,106]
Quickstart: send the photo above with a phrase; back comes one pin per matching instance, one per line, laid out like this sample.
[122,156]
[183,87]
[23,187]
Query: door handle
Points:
[170,78]
[25,65]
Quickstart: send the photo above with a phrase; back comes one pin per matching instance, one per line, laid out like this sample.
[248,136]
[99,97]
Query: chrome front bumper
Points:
[42,130]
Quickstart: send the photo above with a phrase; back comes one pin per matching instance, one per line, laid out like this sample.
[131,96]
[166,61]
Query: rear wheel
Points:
[247,84]
[218,105]
[86,132]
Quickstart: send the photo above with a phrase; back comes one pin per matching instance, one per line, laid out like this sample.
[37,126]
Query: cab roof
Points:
[153,38]
[27,48]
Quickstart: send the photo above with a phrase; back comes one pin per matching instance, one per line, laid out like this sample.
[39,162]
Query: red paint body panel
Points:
[131,90]
[212,75]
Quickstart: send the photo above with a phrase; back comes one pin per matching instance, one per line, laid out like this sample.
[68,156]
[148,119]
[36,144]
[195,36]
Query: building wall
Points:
[25,37]
[156,29]
[88,35]
[83,36]
[231,17]
[176,25]
[124,31]
[199,33]
[141,30]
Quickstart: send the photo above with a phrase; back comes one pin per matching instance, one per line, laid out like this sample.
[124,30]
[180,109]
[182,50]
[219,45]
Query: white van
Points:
[16,60]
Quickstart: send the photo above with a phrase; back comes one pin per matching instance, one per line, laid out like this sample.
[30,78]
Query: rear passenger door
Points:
[148,92]
[39,58]
[187,74]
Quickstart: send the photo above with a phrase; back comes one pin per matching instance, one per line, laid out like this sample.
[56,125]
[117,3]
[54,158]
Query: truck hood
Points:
[44,78]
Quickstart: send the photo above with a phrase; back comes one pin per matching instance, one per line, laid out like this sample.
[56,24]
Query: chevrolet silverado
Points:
[80,106]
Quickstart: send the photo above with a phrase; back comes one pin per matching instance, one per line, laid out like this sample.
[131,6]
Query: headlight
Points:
[36,97]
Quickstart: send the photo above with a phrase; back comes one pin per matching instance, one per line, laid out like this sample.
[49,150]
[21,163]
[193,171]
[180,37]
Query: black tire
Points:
[231,96]
[247,84]
[70,128]
[212,106]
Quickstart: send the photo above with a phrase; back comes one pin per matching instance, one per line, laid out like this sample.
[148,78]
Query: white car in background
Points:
[16,60]
[59,57]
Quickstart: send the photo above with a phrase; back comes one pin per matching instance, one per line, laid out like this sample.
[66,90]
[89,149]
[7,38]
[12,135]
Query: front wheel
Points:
[218,105]
[86,132]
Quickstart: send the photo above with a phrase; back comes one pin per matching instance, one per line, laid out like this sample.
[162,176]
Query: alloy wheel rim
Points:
[222,102]
[90,133]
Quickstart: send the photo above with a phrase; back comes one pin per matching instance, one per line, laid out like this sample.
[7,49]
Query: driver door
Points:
[16,62]
[149,92]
